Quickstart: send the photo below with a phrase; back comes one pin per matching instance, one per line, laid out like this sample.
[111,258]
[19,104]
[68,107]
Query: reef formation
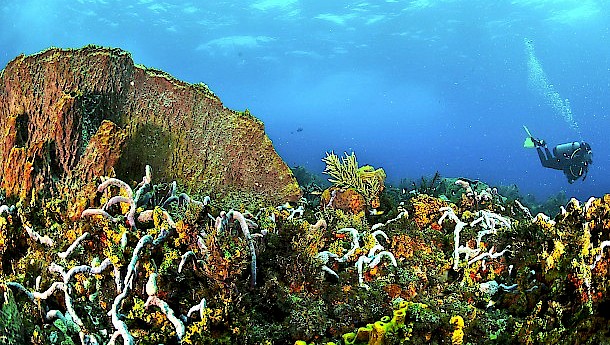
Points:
[55,107]
[92,254]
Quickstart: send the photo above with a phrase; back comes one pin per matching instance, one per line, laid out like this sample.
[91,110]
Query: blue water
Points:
[411,86]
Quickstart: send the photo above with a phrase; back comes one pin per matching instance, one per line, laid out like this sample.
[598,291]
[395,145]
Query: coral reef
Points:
[90,254]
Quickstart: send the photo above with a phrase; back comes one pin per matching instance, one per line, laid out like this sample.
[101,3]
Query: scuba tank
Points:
[578,157]
[566,151]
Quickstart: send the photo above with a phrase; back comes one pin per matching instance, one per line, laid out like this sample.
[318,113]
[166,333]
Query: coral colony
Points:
[91,252]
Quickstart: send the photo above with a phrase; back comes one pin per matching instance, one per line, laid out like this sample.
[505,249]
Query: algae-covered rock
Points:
[53,103]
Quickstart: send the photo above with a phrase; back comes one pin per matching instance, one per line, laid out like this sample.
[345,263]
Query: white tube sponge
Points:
[55,268]
[246,231]
[185,257]
[598,257]
[373,251]
[355,242]
[147,216]
[178,325]
[75,270]
[321,223]
[456,239]
[147,239]
[34,296]
[379,256]
[4,209]
[121,327]
[132,207]
[198,308]
[379,233]
[117,183]
[359,264]
[46,240]
[380,225]
[330,271]
[323,258]
[70,249]
[448,212]
[151,285]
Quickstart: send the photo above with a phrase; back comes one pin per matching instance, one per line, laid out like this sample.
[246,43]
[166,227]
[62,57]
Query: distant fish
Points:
[300,129]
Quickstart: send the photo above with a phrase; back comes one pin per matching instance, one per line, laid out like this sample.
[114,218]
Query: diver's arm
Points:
[547,159]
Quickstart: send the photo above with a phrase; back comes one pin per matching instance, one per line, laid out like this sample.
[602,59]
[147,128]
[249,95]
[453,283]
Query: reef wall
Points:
[73,115]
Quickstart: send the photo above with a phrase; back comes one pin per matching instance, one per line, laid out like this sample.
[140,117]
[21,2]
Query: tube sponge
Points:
[398,320]
[364,333]
[349,338]
[378,334]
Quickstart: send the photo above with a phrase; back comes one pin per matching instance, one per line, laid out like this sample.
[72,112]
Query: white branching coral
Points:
[46,240]
[323,259]
[198,308]
[355,242]
[371,262]
[64,255]
[599,256]
[491,287]
[489,221]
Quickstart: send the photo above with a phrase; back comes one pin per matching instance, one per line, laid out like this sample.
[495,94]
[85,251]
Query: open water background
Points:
[411,86]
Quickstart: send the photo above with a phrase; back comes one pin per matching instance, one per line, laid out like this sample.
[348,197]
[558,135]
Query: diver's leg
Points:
[541,155]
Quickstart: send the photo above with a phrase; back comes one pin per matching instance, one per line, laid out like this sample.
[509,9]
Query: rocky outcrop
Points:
[74,115]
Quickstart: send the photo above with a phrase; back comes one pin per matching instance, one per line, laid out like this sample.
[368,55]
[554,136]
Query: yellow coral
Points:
[194,330]
[181,232]
[457,338]
[551,259]
[425,210]
[457,321]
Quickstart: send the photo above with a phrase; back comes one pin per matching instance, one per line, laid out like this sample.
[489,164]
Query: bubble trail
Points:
[539,82]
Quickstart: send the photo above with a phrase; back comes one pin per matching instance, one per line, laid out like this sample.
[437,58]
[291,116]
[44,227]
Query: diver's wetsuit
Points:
[548,160]
[570,158]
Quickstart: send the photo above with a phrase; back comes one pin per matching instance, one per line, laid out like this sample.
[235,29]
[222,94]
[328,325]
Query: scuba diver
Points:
[572,158]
